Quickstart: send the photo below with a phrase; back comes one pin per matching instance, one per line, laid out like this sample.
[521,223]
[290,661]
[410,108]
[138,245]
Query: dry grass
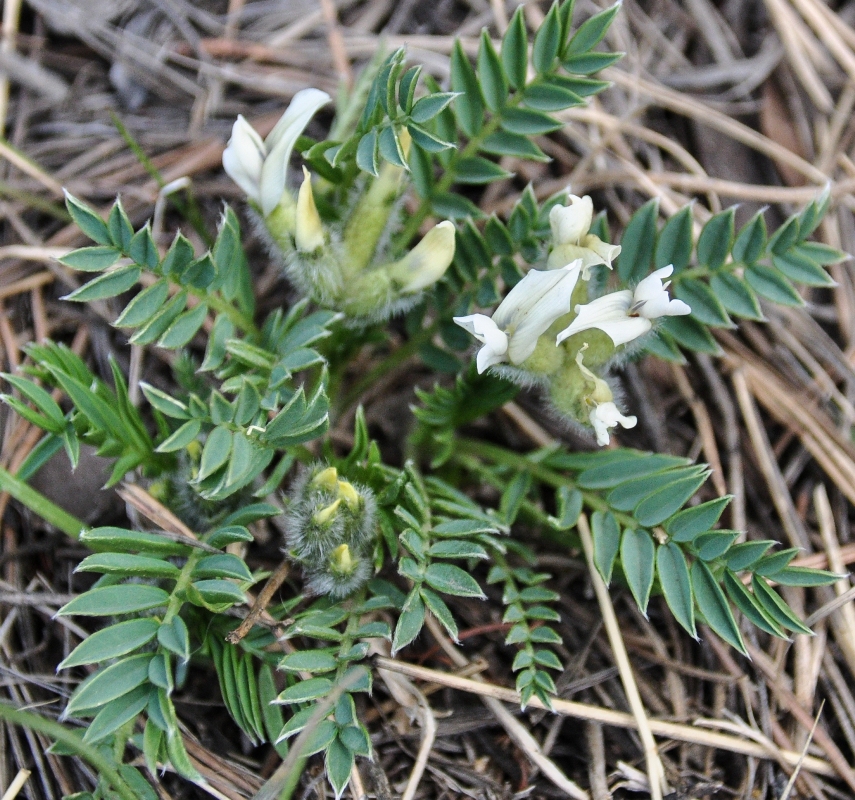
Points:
[741,101]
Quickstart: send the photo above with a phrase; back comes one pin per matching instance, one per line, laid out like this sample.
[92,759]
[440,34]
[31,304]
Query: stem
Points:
[388,364]
[445,182]
[60,733]
[39,504]
[181,583]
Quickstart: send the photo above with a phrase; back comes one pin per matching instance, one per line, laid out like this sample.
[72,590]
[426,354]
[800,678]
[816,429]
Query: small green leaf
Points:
[143,250]
[494,82]
[515,50]
[440,610]
[589,63]
[390,148]
[543,96]
[87,220]
[606,534]
[410,621]
[714,606]
[178,257]
[125,541]
[367,153]
[105,601]
[184,327]
[128,565]
[112,642]
[751,241]
[676,585]
[469,106]
[427,141]
[769,283]
[638,557]
[713,545]
[116,714]
[339,762]
[805,576]
[716,239]
[666,502]
[477,170]
[109,683]
[162,319]
[175,637]
[748,604]
[504,143]
[691,334]
[222,565]
[686,525]
[638,242]
[91,259]
[736,295]
[742,556]
[309,661]
[107,285]
[802,269]
[450,579]
[527,122]
[674,245]
[144,306]
[591,32]
[547,41]
[181,437]
[219,592]
[776,608]
[706,307]
[426,108]
[216,452]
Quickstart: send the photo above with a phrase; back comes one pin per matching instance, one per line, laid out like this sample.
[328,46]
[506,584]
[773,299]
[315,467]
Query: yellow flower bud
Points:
[326,479]
[350,496]
[427,262]
[309,232]
[341,560]
[326,515]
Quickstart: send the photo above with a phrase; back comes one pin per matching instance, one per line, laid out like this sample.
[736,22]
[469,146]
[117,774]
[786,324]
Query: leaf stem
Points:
[60,733]
[39,504]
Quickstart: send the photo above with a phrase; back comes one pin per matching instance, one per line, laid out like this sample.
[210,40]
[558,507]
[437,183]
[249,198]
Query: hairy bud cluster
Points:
[347,265]
[331,531]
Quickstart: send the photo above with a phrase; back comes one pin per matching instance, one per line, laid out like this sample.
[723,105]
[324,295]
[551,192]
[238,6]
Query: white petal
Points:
[605,416]
[570,223]
[651,286]
[485,330]
[651,299]
[280,143]
[539,299]
[605,310]
[487,357]
[243,158]
[607,252]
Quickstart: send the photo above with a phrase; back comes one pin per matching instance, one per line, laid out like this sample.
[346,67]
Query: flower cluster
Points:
[331,531]
[540,331]
[347,264]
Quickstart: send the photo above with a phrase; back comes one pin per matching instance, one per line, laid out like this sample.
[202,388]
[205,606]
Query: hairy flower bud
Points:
[331,530]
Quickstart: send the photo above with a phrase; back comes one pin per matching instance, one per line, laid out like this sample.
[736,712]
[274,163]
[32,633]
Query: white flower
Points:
[539,299]
[570,237]
[626,315]
[260,167]
[605,416]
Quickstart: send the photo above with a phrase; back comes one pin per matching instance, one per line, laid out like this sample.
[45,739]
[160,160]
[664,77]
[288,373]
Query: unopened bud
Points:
[341,560]
[326,479]
[350,496]
[427,262]
[309,232]
[326,515]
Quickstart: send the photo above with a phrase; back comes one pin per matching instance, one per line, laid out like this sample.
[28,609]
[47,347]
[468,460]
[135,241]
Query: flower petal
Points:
[485,330]
[243,158]
[570,223]
[533,305]
[606,252]
[280,143]
[608,310]
[605,416]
